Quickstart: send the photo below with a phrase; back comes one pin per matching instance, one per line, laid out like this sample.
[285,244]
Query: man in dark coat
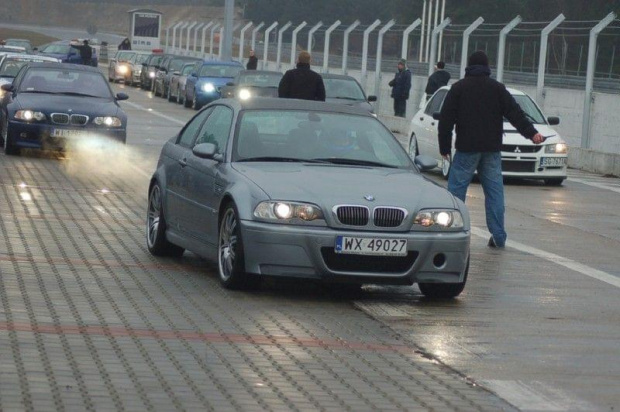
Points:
[252,61]
[477,106]
[86,52]
[302,82]
[125,45]
[436,80]
[401,86]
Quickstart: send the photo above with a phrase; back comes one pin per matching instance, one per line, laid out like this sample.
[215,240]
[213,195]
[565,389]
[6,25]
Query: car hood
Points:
[216,81]
[330,185]
[511,136]
[360,103]
[49,103]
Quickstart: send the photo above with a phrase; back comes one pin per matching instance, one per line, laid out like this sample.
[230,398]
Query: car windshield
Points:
[311,136]
[219,70]
[187,69]
[21,43]
[125,56]
[531,110]
[57,49]
[156,60]
[139,58]
[343,89]
[11,66]
[260,79]
[63,81]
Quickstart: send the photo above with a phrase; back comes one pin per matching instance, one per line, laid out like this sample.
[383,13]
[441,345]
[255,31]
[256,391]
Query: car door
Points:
[175,174]
[207,178]
[428,143]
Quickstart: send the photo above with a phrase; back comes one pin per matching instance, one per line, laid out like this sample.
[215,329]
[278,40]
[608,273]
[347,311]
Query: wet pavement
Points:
[89,320]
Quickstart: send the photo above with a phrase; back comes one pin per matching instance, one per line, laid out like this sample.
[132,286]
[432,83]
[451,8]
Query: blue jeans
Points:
[489,166]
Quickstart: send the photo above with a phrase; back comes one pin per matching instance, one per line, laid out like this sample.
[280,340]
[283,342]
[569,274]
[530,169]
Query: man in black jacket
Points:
[125,45]
[477,106]
[302,82]
[401,86]
[252,61]
[436,80]
[86,52]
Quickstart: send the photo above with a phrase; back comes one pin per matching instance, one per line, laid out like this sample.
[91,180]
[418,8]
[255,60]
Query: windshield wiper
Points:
[356,162]
[529,116]
[281,159]
[79,94]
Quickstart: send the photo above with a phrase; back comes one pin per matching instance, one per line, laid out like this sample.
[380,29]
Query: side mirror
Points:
[35,49]
[121,96]
[205,150]
[372,98]
[230,84]
[144,64]
[7,87]
[176,73]
[553,120]
[436,115]
[425,163]
[193,74]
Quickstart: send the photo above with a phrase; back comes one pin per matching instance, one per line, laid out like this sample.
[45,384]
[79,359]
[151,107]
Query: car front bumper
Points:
[533,166]
[309,252]
[203,97]
[38,136]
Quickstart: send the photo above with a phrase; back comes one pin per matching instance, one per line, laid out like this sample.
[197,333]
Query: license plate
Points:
[67,133]
[371,246]
[552,161]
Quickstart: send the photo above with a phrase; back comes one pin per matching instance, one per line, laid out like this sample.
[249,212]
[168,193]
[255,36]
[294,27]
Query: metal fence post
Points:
[266,43]
[254,31]
[345,46]
[204,37]
[189,31]
[464,53]
[168,37]
[195,49]
[365,50]
[429,29]
[404,50]
[311,33]
[501,51]
[423,29]
[181,34]
[280,35]
[213,28]
[587,106]
[174,34]
[542,60]
[378,61]
[328,33]
[242,39]
[294,42]
[433,51]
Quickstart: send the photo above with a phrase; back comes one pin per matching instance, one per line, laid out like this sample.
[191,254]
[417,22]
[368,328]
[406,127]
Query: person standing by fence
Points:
[401,86]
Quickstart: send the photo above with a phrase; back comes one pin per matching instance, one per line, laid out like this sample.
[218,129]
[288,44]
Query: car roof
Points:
[23,56]
[74,67]
[220,63]
[274,103]
[514,92]
[259,72]
[338,76]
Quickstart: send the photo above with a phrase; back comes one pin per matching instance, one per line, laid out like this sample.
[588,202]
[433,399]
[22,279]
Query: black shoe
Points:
[493,245]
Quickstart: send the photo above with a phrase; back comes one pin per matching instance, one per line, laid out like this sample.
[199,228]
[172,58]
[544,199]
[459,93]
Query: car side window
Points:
[216,129]
[436,102]
[188,133]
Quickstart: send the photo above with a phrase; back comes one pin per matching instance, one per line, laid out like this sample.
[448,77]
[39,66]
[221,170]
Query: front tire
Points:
[9,147]
[231,258]
[444,290]
[169,95]
[179,100]
[195,104]
[156,240]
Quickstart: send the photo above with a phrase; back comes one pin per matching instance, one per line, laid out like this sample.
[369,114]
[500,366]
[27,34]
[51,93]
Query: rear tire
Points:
[169,95]
[156,240]
[179,100]
[444,290]
[554,182]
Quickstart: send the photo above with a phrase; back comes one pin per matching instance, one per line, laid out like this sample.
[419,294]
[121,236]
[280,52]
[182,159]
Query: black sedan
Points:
[253,83]
[50,105]
[346,90]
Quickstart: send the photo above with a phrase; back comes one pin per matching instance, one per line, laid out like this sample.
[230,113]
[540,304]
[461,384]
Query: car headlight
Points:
[152,75]
[29,115]
[244,94]
[108,121]
[208,87]
[284,212]
[122,69]
[440,218]
[558,148]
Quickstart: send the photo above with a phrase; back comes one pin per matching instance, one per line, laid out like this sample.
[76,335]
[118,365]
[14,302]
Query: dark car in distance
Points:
[52,105]
[253,83]
[62,50]
[172,67]
[342,89]
[204,85]
[149,70]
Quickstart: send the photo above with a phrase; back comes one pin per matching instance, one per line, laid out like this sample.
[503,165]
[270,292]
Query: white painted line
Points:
[155,113]
[535,396]
[552,257]
[594,184]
